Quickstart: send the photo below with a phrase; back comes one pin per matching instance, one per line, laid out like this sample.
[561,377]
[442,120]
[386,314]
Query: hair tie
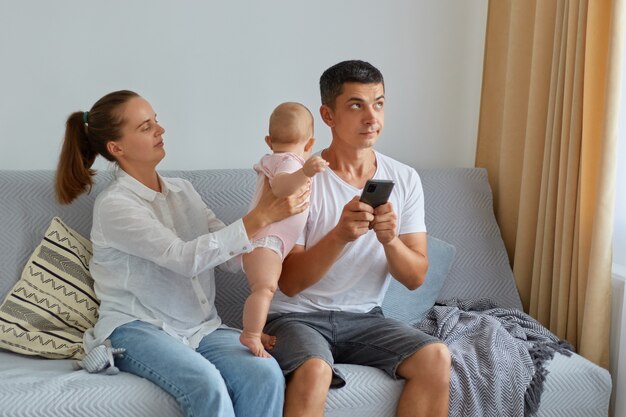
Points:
[85,116]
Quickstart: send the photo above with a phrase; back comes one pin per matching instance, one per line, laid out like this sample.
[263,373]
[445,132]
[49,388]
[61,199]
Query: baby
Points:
[288,170]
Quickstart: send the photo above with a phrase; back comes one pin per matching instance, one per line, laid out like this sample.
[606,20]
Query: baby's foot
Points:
[268,341]
[254,344]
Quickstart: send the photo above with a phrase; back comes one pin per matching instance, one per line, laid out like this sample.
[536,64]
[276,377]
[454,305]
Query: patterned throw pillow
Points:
[51,306]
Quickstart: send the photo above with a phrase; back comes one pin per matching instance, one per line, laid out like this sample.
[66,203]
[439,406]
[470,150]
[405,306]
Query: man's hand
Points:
[385,223]
[314,165]
[303,268]
[354,221]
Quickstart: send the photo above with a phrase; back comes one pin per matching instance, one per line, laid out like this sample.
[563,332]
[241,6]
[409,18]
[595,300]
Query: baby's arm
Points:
[285,184]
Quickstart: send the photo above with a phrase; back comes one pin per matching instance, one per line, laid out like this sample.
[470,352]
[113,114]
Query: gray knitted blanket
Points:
[498,357]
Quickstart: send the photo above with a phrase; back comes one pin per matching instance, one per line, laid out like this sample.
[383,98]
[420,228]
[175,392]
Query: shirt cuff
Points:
[234,239]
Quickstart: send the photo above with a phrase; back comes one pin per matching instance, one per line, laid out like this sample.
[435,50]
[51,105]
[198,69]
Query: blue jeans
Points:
[220,378]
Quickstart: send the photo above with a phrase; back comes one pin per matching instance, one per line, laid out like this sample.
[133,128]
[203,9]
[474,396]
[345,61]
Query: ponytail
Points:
[86,136]
[74,173]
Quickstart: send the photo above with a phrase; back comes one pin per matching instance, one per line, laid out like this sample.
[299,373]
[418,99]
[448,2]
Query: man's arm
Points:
[301,268]
[406,254]
[407,259]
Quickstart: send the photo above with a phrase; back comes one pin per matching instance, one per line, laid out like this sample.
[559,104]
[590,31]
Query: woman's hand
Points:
[270,208]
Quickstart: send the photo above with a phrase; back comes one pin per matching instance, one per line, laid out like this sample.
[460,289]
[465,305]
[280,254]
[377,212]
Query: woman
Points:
[155,244]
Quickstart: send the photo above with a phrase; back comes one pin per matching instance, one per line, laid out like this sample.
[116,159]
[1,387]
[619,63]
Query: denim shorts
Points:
[368,339]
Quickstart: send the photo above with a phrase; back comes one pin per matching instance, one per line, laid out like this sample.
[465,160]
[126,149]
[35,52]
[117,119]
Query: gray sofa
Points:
[459,211]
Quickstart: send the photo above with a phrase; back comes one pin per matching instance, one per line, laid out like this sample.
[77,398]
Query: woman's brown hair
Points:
[86,136]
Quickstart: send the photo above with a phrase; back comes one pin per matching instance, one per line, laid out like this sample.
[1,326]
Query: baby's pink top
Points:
[289,229]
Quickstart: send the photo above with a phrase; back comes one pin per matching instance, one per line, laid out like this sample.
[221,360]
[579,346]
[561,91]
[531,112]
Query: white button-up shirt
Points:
[153,258]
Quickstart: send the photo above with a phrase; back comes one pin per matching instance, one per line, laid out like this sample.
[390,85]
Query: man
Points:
[333,282]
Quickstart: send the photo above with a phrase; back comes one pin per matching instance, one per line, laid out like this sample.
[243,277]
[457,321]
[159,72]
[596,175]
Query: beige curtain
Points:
[547,136]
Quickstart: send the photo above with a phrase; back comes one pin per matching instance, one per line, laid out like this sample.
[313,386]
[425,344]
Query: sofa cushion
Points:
[51,306]
[409,306]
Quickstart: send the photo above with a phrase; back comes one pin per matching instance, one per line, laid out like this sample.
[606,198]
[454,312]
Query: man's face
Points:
[358,116]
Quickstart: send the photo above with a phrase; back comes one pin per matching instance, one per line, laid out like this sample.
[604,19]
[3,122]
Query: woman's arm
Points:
[270,208]
[134,229]
[123,224]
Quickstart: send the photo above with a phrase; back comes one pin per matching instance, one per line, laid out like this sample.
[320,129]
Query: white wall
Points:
[213,71]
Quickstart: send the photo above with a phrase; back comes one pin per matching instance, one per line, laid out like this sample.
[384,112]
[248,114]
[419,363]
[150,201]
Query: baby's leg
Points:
[263,267]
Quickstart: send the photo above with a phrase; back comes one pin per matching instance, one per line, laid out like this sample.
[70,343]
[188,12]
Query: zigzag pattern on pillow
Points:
[51,306]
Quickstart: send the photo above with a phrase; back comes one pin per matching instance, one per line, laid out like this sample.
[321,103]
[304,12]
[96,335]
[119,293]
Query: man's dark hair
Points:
[332,80]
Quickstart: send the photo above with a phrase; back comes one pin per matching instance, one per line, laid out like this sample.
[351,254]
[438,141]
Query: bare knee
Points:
[307,388]
[314,372]
[439,354]
[432,363]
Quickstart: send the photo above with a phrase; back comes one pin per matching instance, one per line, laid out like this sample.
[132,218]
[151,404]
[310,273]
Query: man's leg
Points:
[427,382]
[303,352]
[307,389]
[403,352]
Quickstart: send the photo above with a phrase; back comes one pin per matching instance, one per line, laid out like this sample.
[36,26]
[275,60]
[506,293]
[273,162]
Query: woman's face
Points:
[141,143]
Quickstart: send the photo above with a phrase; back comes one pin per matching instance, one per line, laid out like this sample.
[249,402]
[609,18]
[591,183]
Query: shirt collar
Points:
[141,190]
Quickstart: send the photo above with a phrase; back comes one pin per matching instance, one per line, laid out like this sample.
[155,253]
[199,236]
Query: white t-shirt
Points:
[358,280]
[153,258]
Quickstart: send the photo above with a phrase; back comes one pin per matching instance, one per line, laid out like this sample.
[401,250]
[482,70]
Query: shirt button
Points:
[231,253]
[194,278]
[244,248]
[203,301]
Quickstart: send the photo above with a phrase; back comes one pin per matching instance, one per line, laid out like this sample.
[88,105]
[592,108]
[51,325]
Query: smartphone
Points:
[376,192]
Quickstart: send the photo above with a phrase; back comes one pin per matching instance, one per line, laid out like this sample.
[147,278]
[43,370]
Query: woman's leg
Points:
[256,385]
[194,382]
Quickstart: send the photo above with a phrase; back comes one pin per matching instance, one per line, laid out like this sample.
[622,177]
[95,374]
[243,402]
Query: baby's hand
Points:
[313,165]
